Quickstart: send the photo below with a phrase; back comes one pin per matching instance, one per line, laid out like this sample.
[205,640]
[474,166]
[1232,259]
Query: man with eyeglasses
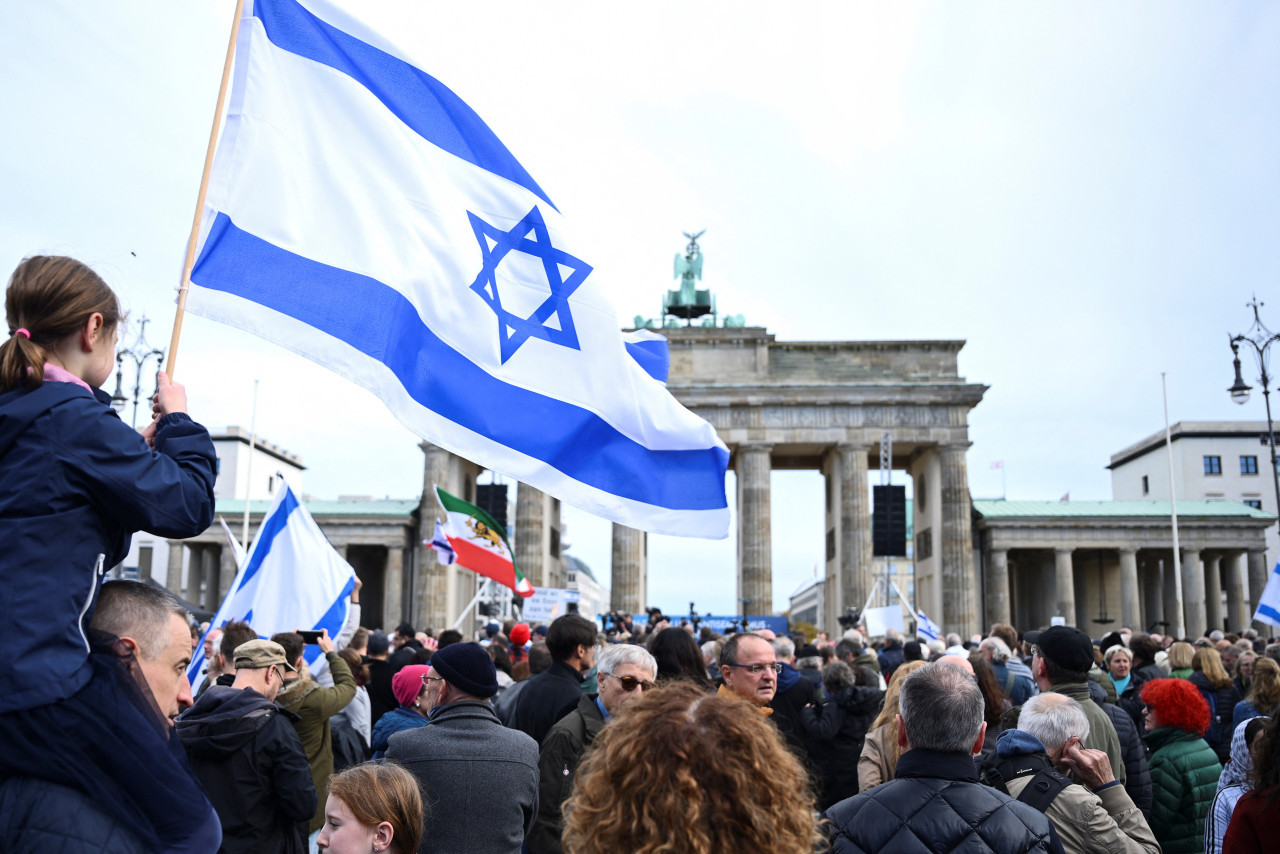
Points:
[750,670]
[248,756]
[626,673]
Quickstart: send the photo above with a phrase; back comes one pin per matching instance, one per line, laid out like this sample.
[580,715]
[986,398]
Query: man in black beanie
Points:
[461,750]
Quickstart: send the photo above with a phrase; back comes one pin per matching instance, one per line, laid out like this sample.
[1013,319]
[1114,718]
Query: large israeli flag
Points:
[291,579]
[926,629]
[362,215]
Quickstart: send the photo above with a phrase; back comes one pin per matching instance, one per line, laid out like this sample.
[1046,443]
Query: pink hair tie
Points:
[24,333]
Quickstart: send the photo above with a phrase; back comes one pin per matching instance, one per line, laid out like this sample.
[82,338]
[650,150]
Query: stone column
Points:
[628,571]
[855,524]
[392,588]
[998,610]
[1257,583]
[1152,596]
[1064,602]
[755,549]
[1193,603]
[226,571]
[531,523]
[1129,612]
[959,581]
[1213,591]
[432,607]
[195,571]
[1238,612]
[173,575]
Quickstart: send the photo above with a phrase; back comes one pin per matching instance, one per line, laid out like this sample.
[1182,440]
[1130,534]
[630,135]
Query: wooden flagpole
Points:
[190,259]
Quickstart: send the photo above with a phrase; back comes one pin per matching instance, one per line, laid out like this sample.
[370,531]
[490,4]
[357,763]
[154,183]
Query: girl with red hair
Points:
[1184,768]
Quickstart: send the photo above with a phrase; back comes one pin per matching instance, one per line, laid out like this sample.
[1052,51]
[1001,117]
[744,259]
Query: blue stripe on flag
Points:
[575,441]
[270,530]
[1268,611]
[653,356]
[424,104]
[334,617]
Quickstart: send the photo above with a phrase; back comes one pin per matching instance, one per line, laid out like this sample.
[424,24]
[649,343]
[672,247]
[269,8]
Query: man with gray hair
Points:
[625,673]
[1095,815]
[935,802]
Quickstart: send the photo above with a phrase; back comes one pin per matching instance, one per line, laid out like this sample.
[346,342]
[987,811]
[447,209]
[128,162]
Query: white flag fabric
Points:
[926,628]
[237,550]
[1269,603]
[291,579]
[362,215]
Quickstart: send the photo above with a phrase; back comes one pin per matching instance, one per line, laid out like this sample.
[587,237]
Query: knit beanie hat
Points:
[520,634]
[407,683]
[467,667]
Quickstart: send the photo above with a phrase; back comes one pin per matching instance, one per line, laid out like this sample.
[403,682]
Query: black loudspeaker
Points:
[492,499]
[889,521]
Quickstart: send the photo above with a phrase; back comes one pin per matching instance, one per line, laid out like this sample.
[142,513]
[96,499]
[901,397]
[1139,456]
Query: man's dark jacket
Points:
[381,698]
[794,692]
[890,658]
[837,730]
[558,760]
[936,804]
[247,754]
[1137,773]
[545,699]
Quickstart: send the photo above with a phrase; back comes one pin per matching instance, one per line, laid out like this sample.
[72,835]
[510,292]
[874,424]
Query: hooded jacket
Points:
[1105,820]
[313,706]
[837,730]
[75,483]
[250,760]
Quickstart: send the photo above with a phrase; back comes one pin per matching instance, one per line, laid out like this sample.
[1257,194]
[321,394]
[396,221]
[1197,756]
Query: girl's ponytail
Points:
[49,298]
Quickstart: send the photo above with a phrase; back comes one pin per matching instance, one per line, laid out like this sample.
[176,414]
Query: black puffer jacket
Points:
[936,804]
[1137,773]
[1222,704]
[36,815]
[836,730]
[247,754]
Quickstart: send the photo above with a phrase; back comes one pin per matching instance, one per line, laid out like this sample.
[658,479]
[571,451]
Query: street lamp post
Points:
[139,354]
[1260,338]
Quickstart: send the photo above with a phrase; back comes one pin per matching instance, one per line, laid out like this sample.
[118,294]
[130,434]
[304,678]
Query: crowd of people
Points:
[546,738]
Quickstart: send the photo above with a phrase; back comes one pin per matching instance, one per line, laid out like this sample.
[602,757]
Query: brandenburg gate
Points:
[824,405]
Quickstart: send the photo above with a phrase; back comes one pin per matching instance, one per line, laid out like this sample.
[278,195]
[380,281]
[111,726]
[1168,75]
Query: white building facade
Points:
[1212,460]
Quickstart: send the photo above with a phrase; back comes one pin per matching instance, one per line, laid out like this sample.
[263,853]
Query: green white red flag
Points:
[480,543]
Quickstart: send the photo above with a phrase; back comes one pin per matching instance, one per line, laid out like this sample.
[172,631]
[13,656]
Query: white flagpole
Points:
[1179,621]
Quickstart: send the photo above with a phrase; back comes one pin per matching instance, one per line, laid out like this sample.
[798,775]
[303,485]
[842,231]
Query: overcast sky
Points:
[1088,193]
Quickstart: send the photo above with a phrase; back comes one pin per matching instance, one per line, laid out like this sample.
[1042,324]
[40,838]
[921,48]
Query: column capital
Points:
[1064,550]
[755,447]
[953,447]
[1127,551]
[852,447]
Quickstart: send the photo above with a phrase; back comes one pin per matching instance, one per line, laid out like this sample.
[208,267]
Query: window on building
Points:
[1248,465]
[1212,465]
[1255,503]
[1146,485]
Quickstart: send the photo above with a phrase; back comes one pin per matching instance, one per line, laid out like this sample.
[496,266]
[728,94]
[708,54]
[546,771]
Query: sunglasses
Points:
[630,683]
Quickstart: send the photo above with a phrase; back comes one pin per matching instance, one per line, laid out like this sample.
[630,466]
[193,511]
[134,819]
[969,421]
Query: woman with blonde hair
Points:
[1264,693]
[680,771]
[1180,656]
[372,807]
[1220,693]
[880,751]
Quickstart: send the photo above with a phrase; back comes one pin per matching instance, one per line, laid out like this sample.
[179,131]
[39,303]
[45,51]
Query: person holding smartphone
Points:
[314,705]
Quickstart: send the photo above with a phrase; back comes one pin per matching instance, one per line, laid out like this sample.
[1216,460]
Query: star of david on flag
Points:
[513,329]
[361,214]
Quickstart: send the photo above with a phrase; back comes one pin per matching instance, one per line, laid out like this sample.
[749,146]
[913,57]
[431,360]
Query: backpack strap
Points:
[1043,788]
[1009,679]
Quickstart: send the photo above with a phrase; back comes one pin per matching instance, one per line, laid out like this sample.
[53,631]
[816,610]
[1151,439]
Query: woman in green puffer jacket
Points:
[1184,768]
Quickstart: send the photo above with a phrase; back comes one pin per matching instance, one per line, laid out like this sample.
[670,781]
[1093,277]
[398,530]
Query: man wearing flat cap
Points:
[462,752]
[247,755]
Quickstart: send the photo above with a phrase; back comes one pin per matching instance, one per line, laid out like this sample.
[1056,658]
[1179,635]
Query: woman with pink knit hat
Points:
[410,687]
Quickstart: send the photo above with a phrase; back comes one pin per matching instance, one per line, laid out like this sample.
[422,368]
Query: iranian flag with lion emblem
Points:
[480,543]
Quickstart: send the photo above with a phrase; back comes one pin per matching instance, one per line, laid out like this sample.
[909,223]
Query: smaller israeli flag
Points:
[926,628]
[1269,603]
[445,554]
[291,579]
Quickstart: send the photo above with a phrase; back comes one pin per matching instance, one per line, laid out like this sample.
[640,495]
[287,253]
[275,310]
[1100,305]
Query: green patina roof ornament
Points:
[689,301]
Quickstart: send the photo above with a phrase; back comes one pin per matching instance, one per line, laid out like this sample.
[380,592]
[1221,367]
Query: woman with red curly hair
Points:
[1184,768]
